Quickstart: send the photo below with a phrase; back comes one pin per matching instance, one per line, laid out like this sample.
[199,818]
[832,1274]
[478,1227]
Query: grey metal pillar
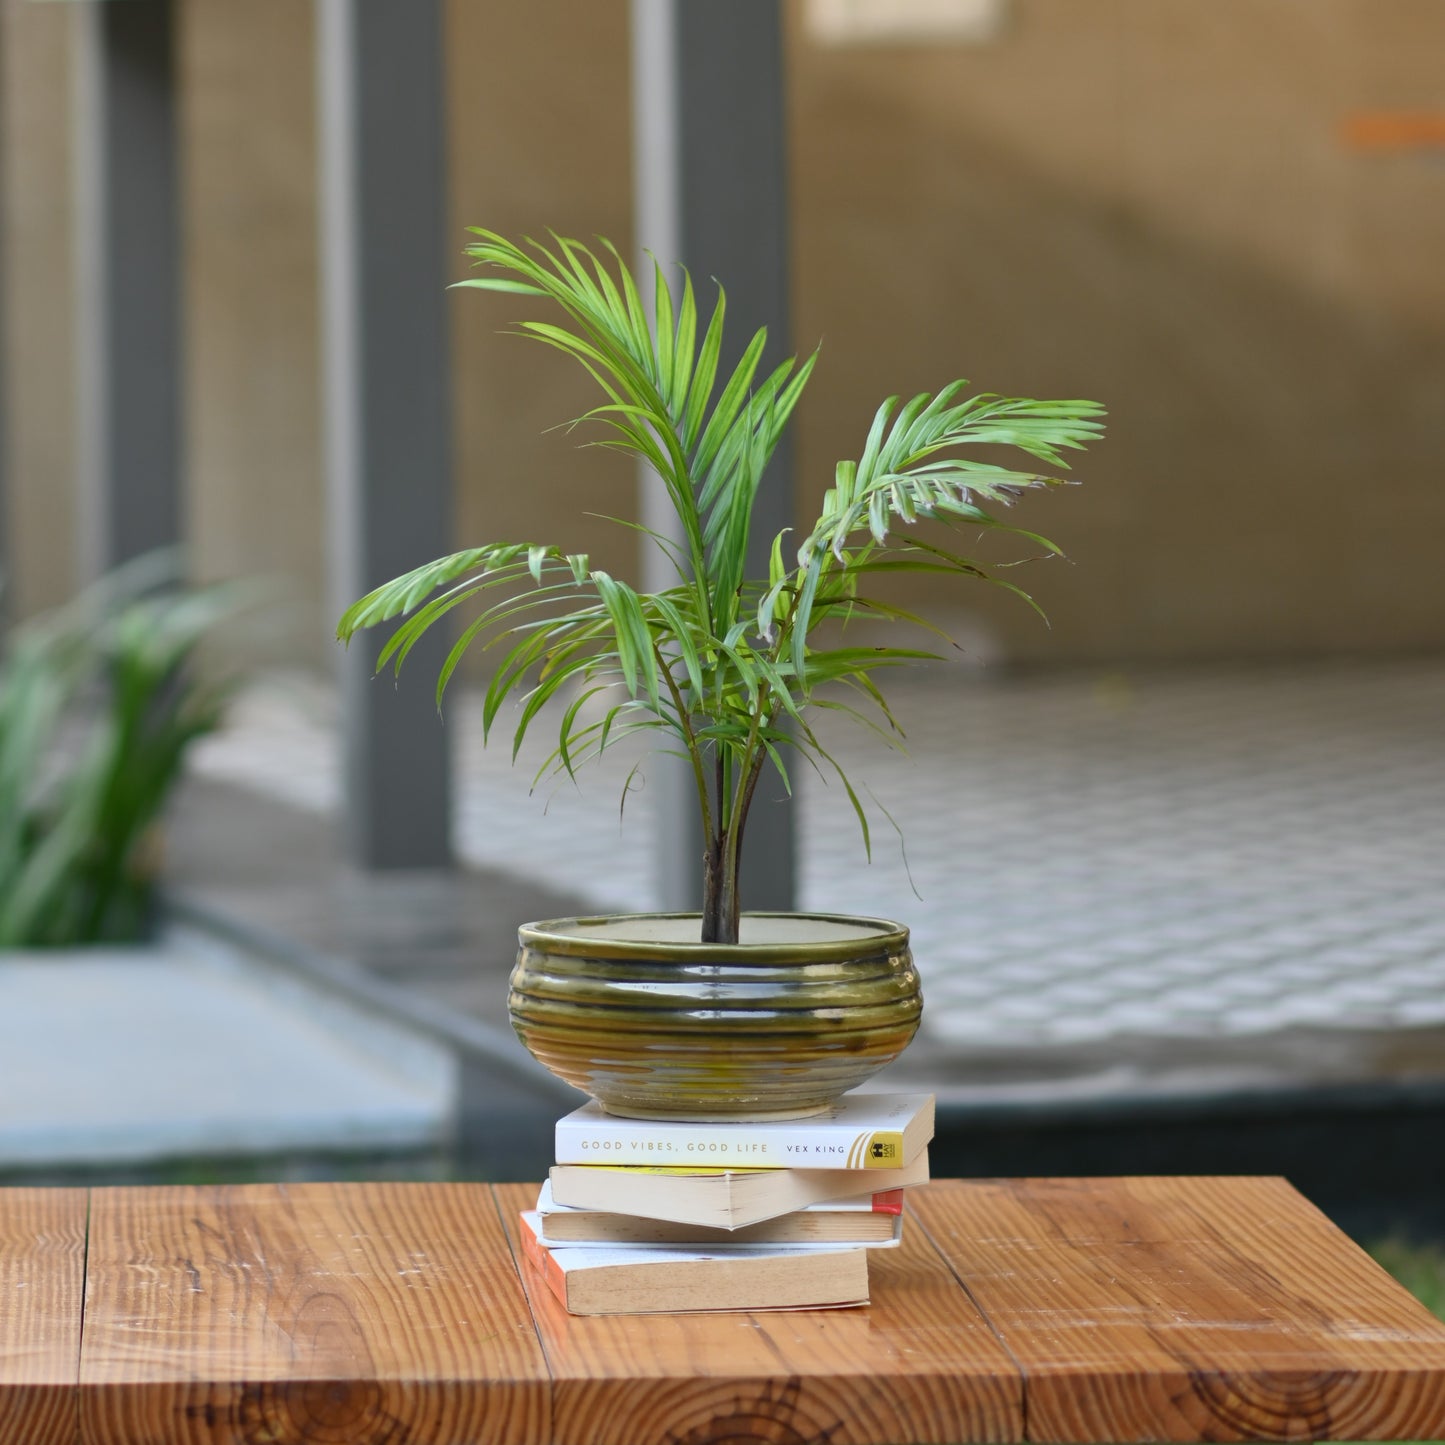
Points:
[128,282]
[711,191]
[387,397]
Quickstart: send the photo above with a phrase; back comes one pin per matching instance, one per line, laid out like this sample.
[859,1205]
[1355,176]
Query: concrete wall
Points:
[1148,202]
[255,495]
[541,139]
[1145,201]
[38,334]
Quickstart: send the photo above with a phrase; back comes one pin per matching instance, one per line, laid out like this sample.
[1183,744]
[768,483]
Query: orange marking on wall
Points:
[1392,131]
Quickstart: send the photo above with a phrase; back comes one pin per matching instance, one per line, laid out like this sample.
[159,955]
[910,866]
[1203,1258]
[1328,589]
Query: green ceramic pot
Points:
[656,1025]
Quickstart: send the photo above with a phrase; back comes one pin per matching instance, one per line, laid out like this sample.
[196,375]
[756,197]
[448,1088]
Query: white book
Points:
[874,1221]
[718,1198]
[860,1131]
[611,1280]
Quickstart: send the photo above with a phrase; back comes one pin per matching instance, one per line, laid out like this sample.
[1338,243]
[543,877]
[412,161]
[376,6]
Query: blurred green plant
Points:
[98,704]
[723,664]
[1420,1267]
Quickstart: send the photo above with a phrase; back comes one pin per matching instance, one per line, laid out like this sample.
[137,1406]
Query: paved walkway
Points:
[186,1049]
[1158,870]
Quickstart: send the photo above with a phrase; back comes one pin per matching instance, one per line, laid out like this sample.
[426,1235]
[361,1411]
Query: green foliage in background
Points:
[724,666]
[1419,1267]
[97,709]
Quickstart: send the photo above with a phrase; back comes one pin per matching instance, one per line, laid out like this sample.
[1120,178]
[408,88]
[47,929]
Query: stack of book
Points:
[639,1217]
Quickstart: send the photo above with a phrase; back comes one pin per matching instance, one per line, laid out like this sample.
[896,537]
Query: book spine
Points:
[542,1260]
[775,1147]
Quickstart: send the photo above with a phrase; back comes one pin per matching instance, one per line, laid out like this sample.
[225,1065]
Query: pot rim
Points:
[569,937]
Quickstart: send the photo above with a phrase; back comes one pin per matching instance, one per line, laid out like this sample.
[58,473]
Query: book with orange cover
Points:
[615,1280]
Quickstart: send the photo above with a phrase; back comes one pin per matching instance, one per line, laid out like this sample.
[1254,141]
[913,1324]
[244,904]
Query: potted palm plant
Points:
[727,1013]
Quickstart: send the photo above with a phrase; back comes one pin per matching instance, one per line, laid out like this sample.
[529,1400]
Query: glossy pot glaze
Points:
[635,1011]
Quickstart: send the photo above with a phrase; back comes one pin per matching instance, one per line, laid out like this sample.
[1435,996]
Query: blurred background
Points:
[1177,854]
[1182,209]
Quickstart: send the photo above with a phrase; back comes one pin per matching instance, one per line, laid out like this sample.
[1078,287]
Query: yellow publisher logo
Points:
[881,1150]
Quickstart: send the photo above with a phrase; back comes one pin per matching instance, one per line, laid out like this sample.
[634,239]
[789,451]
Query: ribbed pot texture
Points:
[635,1011]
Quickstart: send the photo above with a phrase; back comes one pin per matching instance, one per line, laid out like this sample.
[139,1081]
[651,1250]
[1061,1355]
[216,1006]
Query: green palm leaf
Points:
[723,664]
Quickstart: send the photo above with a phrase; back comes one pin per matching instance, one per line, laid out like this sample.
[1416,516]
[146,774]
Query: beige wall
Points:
[1146,201]
[1143,201]
[254,493]
[541,138]
[38,335]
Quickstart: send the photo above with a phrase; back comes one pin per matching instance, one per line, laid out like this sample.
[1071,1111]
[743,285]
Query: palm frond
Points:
[726,666]
[895,480]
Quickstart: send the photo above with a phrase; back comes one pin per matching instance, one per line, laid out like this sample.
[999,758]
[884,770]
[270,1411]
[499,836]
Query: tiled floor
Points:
[1171,856]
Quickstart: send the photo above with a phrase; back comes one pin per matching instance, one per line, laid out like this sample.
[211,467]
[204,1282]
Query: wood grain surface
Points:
[1190,1309]
[370,1314]
[395,1314]
[42,1278]
[918,1364]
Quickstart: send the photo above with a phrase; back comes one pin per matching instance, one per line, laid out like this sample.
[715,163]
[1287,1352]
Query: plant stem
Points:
[722,902]
[730,899]
[712,890]
[713,926]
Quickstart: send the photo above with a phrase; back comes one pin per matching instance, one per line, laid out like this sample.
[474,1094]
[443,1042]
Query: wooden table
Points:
[391,1314]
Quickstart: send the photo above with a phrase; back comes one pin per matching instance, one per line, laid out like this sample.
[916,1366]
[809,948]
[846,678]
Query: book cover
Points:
[873,1220]
[717,1198]
[861,1131]
[607,1280]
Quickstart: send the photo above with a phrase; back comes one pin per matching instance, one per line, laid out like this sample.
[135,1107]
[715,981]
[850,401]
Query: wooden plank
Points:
[369,1313]
[918,1365]
[1190,1309]
[42,1280]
